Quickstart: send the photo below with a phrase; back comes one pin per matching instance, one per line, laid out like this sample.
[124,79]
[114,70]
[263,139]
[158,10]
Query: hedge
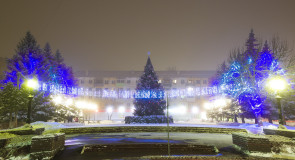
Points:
[118,129]
[147,119]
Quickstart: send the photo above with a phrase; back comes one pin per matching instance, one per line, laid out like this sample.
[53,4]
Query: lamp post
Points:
[168,134]
[31,84]
[110,112]
[278,84]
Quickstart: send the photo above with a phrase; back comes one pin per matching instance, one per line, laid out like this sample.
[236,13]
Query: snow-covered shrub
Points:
[282,127]
[147,119]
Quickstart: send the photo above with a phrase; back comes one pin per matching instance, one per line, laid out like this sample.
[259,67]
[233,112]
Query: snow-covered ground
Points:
[252,128]
[48,125]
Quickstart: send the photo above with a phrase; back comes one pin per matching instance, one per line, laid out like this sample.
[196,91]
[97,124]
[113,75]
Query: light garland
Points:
[127,93]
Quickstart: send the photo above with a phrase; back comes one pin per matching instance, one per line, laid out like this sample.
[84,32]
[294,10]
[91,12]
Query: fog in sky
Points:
[117,34]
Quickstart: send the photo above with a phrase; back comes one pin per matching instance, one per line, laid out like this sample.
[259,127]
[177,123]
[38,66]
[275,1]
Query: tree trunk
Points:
[258,120]
[269,119]
[15,118]
[243,119]
[10,119]
[236,119]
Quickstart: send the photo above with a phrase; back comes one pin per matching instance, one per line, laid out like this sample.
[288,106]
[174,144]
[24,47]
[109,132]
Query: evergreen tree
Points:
[251,45]
[12,100]
[244,80]
[148,82]
[65,73]
[49,57]
[31,61]
[28,60]
[43,108]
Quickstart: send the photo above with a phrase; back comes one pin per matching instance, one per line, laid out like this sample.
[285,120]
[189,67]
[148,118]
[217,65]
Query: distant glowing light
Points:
[277,84]
[204,115]
[189,89]
[219,102]
[32,83]
[69,102]
[207,105]
[195,110]
[57,100]
[110,109]
[86,105]
[121,109]
[178,110]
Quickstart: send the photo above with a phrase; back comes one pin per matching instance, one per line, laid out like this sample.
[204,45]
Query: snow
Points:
[48,125]
[252,128]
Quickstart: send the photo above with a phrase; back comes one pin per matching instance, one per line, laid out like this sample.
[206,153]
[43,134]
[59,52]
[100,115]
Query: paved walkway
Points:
[219,140]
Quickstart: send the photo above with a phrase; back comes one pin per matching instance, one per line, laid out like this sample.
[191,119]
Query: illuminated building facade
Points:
[113,92]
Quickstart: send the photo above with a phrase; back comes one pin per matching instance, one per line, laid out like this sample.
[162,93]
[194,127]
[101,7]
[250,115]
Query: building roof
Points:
[163,74]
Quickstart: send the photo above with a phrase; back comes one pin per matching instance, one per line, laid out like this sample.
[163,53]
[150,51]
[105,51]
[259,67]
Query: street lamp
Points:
[110,112]
[31,84]
[278,84]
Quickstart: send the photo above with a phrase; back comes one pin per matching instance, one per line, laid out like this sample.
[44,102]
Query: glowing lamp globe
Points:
[195,110]
[69,102]
[277,84]
[109,110]
[32,83]
[57,100]
[121,109]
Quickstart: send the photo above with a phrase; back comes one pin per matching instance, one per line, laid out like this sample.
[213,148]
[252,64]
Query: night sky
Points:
[117,34]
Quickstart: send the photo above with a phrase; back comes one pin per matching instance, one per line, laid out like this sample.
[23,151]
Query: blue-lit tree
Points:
[32,61]
[244,79]
[64,73]
[28,60]
[146,104]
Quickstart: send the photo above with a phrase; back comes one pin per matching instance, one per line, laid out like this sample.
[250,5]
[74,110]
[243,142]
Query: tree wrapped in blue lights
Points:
[244,78]
[32,61]
[148,83]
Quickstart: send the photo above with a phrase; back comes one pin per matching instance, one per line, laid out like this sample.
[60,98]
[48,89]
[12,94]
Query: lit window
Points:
[189,81]
[174,81]
[160,81]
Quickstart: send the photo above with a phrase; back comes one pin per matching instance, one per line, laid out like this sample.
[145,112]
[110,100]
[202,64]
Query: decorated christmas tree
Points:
[149,97]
